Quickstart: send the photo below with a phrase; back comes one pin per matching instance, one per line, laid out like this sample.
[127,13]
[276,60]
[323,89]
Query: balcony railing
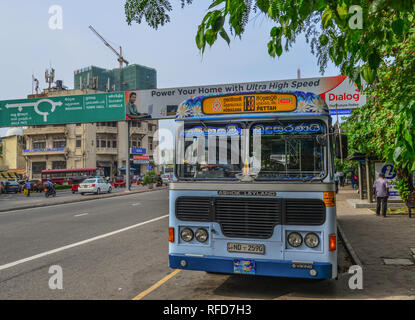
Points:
[104,129]
[107,151]
[139,130]
[44,130]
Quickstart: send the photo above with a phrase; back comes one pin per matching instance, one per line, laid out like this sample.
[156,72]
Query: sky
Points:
[29,46]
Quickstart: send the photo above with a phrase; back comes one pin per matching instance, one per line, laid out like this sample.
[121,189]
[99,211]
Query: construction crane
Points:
[120,59]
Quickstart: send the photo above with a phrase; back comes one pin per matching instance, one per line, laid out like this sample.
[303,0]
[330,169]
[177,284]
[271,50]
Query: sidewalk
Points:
[63,197]
[374,239]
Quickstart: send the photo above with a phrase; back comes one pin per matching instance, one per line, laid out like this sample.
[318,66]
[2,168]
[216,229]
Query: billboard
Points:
[390,176]
[64,109]
[336,91]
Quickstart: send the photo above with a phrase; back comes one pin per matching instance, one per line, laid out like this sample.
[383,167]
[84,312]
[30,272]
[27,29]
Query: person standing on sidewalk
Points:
[381,192]
[341,176]
[336,181]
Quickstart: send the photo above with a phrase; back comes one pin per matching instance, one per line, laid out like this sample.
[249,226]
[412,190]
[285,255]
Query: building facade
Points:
[12,162]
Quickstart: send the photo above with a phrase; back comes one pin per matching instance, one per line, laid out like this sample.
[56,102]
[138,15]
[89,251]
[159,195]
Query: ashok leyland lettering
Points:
[254,191]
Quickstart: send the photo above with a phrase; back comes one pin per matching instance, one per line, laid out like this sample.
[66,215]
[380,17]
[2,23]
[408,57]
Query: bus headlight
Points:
[295,239]
[186,234]
[201,235]
[311,240]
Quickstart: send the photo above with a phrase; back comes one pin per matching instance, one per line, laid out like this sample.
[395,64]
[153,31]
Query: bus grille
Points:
[193,208]
[308,212]
[250,217]
[247,218]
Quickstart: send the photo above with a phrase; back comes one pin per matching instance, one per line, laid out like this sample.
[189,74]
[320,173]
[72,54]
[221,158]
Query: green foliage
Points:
[385,126]
[63,186]
[325,23]
[150,177]
[381,52]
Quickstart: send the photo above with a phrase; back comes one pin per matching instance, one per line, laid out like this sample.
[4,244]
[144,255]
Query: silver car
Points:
[94,185]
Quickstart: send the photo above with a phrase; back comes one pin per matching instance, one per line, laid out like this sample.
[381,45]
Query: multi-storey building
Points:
[89,145]
[12,162]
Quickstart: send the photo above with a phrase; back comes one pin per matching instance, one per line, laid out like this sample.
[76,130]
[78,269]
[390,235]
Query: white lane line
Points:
[41,255]
[136,204]
[81,214]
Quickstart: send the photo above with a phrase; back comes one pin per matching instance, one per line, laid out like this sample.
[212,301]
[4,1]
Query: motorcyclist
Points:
[49,185]
[159,180]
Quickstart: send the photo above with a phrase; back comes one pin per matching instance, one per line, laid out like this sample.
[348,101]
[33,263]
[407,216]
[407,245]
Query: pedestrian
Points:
[336,181]
[342,178]
[354,180]
[27,187]
[381,192]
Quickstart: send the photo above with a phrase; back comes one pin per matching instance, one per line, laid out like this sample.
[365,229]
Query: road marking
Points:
[136,204]
[81,214]
[157,284]
[41,255]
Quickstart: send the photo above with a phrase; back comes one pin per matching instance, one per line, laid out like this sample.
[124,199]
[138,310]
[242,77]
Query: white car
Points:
[94,185]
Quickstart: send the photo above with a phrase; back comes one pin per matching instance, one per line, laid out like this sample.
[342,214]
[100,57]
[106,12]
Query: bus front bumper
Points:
[262,267]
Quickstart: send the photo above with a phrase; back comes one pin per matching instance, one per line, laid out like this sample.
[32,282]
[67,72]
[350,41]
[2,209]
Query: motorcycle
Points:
[159,183]
[50,192]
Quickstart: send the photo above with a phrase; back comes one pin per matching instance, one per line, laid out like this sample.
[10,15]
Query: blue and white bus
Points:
[255,186]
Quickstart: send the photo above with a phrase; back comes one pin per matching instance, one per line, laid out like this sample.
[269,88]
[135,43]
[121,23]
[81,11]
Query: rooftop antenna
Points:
[50,76]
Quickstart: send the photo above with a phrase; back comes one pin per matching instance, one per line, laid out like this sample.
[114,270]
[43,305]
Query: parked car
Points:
[11,186]
[119,182]
[94,185]
[76,183]
[166,178]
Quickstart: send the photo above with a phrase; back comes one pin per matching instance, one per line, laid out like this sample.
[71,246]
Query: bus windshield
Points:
[210,151]
[290,149]
[278,150]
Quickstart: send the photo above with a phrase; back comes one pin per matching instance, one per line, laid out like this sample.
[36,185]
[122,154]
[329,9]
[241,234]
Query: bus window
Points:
[289,150]
[211,152]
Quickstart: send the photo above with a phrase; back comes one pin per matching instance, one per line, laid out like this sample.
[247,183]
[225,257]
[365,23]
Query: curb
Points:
[348,246]
[110,195]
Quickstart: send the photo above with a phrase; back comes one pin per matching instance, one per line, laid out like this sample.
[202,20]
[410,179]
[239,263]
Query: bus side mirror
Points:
[343,139]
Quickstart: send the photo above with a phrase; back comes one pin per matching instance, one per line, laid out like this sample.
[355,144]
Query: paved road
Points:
[122,265]
[12,200]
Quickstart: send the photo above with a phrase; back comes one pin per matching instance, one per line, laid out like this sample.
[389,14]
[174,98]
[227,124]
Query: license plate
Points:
[246,248]
[85,186]
[244,266]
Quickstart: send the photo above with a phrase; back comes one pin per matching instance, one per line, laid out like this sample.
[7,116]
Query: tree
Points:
[369,39]
[326,23]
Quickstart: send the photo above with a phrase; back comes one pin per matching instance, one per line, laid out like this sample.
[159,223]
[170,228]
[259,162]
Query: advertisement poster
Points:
[390,176]
[336,91]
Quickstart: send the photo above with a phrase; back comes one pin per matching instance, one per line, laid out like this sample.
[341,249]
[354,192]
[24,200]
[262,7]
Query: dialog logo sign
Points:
[250,103]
